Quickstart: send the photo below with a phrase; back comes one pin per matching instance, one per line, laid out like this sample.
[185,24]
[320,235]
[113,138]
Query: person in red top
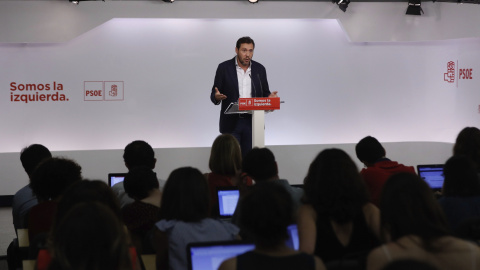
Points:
[378,168]
[225,163]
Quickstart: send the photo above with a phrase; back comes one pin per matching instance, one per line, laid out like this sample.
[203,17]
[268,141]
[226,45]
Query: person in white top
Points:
[414,227]
[136,154]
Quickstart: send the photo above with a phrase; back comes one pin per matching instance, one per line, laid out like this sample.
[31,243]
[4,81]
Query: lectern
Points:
[257,107]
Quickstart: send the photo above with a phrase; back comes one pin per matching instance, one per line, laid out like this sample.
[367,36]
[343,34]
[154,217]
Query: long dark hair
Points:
[408,207]
[185,196]
[334,187]
[468,144]
[266,212]
[461,178]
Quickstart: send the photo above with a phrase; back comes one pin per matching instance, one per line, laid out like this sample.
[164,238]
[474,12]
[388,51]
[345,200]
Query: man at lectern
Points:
[239,77]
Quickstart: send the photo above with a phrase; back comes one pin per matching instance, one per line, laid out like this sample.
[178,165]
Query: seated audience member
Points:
[51,178]
[88,191]
[414,227]
[225,162]
[141,184]
[260,165]
[468,144]
[89,236]
[184,219]
[337,219]
[81,192]
[461,191]
[137,153]
[378,168]
[24,199]
[267,210]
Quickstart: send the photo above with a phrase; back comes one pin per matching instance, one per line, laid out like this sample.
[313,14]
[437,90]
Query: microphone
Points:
[261,88]
[254,89]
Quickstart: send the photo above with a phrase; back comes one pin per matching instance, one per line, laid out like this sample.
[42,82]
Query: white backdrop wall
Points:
[336,91]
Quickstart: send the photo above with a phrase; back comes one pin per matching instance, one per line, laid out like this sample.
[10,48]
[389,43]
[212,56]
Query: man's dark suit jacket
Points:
[227,83]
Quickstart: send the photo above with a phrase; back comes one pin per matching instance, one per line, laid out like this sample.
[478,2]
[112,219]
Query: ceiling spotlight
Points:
[253,1]
[414,7]
[342,4]
[168,1]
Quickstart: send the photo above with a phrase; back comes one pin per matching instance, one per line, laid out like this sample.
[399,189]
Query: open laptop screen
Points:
[209,255]
[114,178]
[227,201]
[293,241]
[432,174]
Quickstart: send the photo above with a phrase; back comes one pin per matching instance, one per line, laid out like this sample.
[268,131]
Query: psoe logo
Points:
[103,90]
[450,75]
[453,69]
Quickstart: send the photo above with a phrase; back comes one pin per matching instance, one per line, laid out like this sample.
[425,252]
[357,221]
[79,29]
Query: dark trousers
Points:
[243,133]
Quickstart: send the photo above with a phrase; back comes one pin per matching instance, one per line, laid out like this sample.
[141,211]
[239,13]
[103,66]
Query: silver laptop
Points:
[432,174]
[209,255]
[114,178]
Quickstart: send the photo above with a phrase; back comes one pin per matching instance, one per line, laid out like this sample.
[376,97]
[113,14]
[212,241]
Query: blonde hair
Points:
[225,156]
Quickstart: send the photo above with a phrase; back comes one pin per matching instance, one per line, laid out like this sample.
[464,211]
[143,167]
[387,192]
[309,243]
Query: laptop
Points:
[209,255]
[114,178]
[432,174]
[227,201]
[293,242]
[297,186]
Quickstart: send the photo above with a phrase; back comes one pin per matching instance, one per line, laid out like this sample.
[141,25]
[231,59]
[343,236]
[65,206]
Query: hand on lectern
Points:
[273,94]
[219,96]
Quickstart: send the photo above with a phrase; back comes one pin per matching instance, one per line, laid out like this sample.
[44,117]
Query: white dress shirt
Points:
[244,80]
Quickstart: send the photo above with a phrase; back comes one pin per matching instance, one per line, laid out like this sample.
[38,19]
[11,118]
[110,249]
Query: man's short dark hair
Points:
[259,163]
[139,182]
[139,153]
[247,40]
[369,150]
[53,176]
[32,155]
